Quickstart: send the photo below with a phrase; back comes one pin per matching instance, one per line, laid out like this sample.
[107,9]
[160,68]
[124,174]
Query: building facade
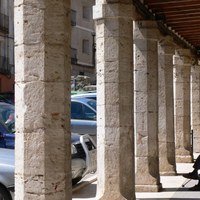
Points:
[82,39]
[6,47]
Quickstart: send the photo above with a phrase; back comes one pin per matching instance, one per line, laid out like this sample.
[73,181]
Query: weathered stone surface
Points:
[195,106]
[166,107]
[146,106]
[182,69]
[42,30]
[115,101]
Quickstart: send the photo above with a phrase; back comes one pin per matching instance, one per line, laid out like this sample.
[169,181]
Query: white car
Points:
[83,150]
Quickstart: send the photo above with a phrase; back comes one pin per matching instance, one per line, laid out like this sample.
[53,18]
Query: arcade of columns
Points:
[148,100]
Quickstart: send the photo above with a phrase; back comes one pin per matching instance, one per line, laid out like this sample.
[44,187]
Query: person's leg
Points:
[194,173]
[197,163]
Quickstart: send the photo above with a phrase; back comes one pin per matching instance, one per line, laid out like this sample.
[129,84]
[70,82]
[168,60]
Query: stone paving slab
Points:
[172,188]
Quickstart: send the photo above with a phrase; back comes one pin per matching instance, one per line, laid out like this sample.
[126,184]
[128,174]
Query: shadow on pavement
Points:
[167,198]
[85,190]
[183,189]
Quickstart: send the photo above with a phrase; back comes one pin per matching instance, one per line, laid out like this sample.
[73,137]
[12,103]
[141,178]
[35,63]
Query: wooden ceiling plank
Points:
[187,18]
[166,1]
[174,7]
[186,26]
[172,3]
[183,14]
[174,12]
[182,21]
[189,32]
[182,17]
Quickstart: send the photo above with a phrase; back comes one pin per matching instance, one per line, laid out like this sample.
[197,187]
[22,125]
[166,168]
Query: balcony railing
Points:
[4,23]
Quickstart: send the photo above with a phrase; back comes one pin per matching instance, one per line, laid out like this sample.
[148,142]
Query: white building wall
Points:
[83,30]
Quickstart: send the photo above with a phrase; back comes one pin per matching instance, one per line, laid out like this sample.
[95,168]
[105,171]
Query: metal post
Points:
[192,144]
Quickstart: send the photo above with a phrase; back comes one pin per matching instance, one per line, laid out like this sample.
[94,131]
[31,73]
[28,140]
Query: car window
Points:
[94,98]
[81,111]
[89,113]
[76,110]
[93,104]
[7,117]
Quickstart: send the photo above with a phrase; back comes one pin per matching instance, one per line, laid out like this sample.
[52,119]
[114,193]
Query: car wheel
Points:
[74,181]
[4,194]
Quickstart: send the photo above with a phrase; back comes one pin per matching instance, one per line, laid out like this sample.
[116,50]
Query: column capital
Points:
[183,56]
[167,41]
[121,10]
[146,29]
[183,52]
[166,45]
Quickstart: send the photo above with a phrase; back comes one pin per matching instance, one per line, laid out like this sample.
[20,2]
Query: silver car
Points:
[83,116]
[6,173]
[89,95]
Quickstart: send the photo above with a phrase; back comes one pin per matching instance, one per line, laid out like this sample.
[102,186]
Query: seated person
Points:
[194,175]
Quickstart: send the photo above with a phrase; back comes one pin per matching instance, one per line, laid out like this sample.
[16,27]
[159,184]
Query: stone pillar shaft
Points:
[115,163]
[195,106]
[42,88]
[182,68]
[146,105]
[167,160]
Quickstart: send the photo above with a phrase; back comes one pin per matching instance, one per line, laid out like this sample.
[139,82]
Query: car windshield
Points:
[93,104]
[7,116]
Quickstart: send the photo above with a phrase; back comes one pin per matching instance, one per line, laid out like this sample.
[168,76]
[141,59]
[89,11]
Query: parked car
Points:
[6,174]
[83,120]
[83,148]
[83,116]
[83,151]
[84,156]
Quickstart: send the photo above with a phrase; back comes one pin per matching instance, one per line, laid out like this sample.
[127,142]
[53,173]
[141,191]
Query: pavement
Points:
[172,187]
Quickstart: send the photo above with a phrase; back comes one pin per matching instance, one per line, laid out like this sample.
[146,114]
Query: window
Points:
[85,46]
[73,17]
[81,73]
[73,56]
[86,12]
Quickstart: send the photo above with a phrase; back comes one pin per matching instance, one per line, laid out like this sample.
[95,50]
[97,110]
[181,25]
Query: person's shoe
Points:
[192,175]
[195,188]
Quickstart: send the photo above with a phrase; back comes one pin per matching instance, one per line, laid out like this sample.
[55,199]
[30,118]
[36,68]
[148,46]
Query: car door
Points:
[7,139]
[83,119]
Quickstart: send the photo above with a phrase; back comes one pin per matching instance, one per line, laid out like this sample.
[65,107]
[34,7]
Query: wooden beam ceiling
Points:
[181,16]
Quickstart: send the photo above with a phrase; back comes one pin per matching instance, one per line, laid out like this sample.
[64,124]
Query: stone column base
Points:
[184,159]
[168,173]
[114,196]
[148,188]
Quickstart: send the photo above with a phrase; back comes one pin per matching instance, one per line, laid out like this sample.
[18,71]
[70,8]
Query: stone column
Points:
[195,106]
[115,163]
[166,50]
[182,68]
[42,74]
[146,106]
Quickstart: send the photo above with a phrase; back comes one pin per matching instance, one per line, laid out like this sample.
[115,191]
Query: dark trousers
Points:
[196,165]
